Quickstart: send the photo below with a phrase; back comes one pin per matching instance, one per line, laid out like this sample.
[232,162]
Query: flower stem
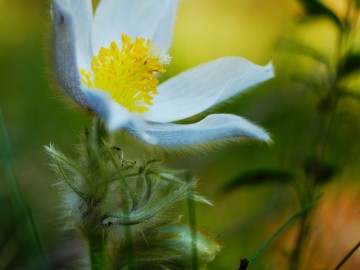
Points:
[130,248]
[300,242]
[192,222]
[322,144]
[97,253]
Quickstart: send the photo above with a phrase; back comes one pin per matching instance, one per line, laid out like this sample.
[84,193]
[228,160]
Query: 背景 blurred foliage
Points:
[290,107]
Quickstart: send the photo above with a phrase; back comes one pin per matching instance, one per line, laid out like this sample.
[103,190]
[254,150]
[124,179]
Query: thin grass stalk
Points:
[278,231]
[305,222]
[27,228]
[347,257]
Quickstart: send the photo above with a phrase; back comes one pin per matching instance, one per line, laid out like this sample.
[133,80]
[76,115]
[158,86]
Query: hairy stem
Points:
[130,248]
[192,223]
[97,252]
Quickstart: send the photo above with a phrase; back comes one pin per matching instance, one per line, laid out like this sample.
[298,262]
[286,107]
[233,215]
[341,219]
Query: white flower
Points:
[107,61]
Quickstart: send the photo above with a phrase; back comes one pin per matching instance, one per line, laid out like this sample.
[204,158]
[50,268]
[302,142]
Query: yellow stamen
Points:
[127,74]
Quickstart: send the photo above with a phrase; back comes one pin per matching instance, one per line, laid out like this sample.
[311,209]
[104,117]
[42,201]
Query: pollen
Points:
[128,73]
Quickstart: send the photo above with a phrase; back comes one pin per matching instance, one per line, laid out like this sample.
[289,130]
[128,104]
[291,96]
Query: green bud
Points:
[170,247]
[119,203]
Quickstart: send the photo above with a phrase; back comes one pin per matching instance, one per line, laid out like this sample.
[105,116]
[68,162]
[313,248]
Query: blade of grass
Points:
[351,252]
[282,227]
[26,227]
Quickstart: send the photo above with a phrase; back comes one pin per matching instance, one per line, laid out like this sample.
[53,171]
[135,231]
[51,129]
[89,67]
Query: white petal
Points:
[199,88]
[114,114]
[116,117]
[152,19]
[72,47]
[213,128]
[81,13]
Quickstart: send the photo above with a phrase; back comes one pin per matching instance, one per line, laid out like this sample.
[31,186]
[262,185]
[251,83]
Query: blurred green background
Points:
[36,113]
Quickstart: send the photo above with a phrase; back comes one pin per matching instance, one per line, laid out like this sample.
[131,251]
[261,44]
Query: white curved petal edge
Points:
[116,117]
[204,86]
[67,46]
[83,18]
[213,128]
[152,19]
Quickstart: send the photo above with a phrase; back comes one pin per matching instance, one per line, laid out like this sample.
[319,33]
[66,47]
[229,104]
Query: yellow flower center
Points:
[127,74]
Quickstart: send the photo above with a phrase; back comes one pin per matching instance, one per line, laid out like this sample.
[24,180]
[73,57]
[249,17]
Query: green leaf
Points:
[321,171]
[317,8]
[258,176]
[351,64]
[201,199]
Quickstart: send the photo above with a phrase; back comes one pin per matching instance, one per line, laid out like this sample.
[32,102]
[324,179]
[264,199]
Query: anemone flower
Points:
[108,61]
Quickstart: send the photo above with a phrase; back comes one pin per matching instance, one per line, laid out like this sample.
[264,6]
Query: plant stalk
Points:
[97,252]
